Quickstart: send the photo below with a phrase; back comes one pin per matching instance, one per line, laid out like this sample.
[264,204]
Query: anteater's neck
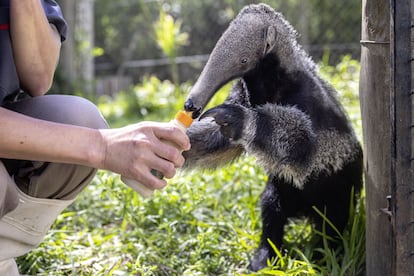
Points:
[269,82]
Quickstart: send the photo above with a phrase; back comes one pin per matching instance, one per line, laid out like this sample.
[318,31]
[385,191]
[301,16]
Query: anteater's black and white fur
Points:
[284,114]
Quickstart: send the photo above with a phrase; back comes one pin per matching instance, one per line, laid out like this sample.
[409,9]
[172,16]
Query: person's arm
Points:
[131,151]
[36,45]
[26,138]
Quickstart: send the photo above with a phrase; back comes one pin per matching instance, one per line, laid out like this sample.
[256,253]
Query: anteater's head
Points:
[256,32]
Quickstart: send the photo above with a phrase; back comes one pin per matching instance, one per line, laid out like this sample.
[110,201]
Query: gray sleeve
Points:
[55,17]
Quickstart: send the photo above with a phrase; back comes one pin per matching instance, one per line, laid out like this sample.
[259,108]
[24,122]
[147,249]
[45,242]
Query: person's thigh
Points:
[54,180]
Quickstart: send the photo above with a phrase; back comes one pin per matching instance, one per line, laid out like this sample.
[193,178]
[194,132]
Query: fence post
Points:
[375,109]
[401,98]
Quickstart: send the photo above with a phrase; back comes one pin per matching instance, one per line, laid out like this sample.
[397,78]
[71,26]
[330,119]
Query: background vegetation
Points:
[318,22]
[127,43]
[203,223]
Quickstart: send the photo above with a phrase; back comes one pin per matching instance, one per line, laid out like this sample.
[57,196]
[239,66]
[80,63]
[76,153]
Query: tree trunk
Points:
[85,33]
[76,61]
[67,65]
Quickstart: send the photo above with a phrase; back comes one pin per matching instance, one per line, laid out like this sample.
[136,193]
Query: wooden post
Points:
[375,109]
[387,97]
[402,185]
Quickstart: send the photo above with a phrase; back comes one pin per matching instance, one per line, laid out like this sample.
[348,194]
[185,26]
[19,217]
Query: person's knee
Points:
[65,109]
[85,113]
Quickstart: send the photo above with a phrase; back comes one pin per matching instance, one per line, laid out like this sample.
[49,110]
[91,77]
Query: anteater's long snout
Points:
[189,106]
[201,93]
[217,72]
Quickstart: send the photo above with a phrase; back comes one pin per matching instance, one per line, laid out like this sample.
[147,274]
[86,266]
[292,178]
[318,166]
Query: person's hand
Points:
[135,150]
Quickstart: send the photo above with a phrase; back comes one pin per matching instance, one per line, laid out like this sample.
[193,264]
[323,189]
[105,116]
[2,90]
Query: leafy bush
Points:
[345,78]
[152,99]
[201,224]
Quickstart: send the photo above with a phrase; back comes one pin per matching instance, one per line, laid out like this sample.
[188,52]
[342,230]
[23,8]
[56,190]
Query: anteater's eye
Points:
[243,61]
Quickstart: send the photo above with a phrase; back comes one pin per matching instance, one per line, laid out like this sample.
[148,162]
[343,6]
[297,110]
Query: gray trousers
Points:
[44,179]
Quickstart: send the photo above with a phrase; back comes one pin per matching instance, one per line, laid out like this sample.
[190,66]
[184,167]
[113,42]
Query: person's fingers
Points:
[173,134]
[165,167]
[136,150]
[165,150]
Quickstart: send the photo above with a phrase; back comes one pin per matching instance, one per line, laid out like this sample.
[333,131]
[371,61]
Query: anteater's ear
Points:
[269,40]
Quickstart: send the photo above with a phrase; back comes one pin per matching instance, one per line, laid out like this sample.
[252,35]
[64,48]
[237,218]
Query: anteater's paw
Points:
[231,119]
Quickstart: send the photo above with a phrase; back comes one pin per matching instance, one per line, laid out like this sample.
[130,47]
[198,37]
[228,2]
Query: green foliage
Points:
[349,258]
[152,99]
[169,38]
[344,77]
[192,227]
[121,27]
[202,224]
[168,34]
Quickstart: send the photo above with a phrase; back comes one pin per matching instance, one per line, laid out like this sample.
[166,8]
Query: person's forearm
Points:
[36,45]
[22,137]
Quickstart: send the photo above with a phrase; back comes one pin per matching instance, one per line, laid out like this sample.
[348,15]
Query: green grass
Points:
[203,223]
